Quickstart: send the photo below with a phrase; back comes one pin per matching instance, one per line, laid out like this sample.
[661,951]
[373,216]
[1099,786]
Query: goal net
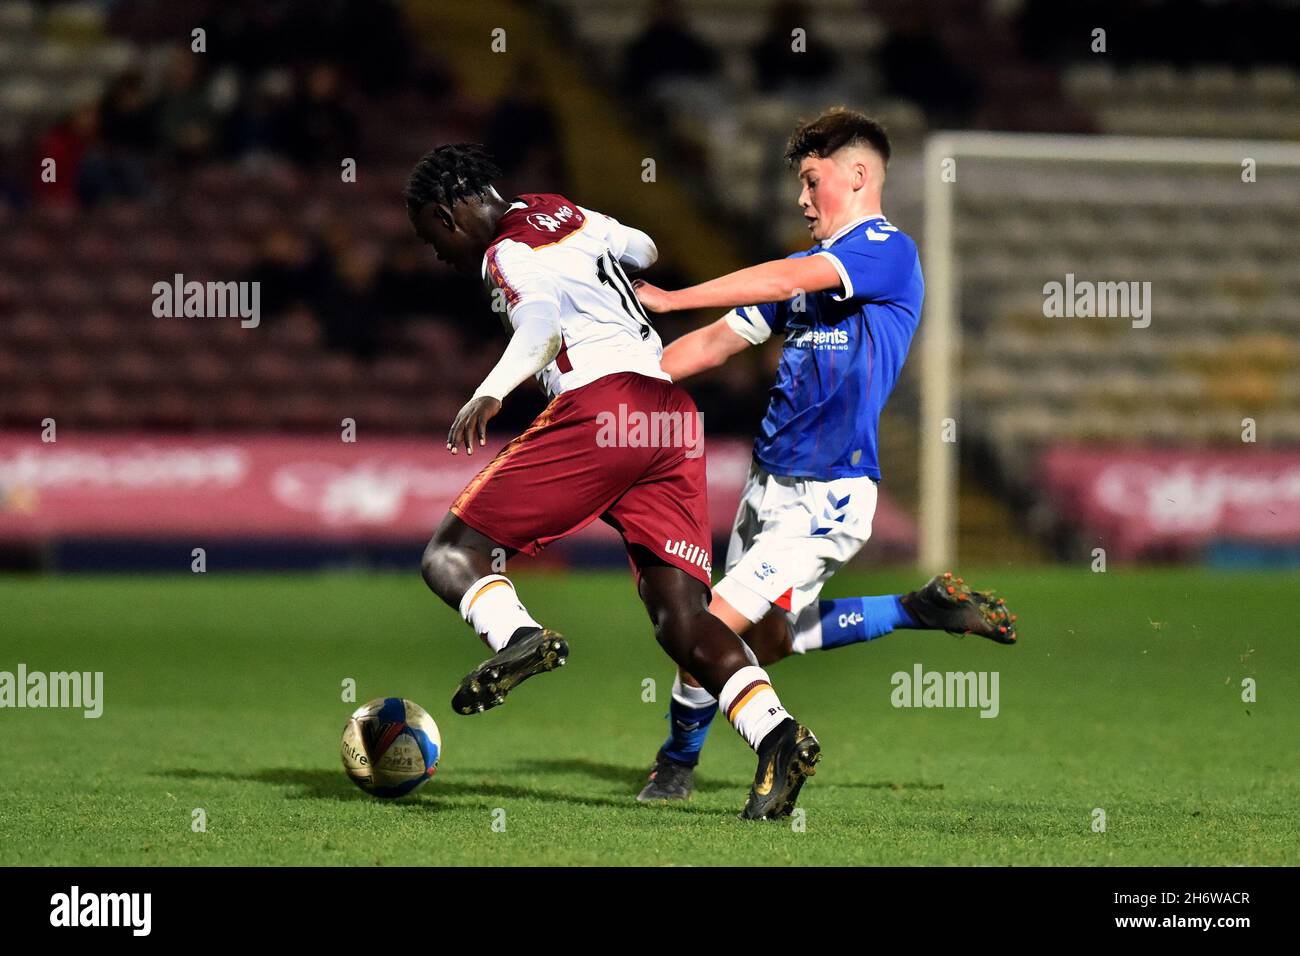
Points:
[1098,291]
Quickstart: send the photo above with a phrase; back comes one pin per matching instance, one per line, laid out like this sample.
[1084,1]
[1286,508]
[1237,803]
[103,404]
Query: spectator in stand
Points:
[916,66]
[187,122]
[256,125]
[666,49]
[253,36]
[284,271]
[379,45]
[523,134]
[68,143]
[15,191]
[411,286]
[128,120]
[777,63]
[128,116]
[320,129]
[348,308]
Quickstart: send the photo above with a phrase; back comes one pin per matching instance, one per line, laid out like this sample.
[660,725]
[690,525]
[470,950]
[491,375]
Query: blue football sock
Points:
[688,726]
[849,620]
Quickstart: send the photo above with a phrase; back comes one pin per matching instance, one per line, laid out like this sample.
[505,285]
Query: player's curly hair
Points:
[833,130]
[449,173]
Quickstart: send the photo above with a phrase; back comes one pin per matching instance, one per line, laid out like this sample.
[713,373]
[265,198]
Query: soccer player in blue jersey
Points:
[848,308]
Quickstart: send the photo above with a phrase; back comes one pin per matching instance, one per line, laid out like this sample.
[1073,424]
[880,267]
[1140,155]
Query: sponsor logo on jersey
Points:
[690,553]
[550,222]
[819,340]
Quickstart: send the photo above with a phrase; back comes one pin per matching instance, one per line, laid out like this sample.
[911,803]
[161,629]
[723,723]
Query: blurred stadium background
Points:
[1132,691]
[225,165]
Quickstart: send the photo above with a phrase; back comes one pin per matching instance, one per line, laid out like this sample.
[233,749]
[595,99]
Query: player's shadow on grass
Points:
[634,778]
[313,784]
[631,778]
[320,784]
[882,785]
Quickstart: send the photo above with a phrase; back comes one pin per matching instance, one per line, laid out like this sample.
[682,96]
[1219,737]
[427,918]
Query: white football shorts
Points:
[790,536]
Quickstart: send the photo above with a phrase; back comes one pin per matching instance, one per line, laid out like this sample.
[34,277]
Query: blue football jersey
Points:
[843,353]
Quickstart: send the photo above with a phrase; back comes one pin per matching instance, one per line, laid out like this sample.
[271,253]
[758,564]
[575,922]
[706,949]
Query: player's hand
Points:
[652,297]
[471,423]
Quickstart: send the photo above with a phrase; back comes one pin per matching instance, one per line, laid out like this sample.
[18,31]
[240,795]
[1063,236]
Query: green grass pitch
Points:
[223,692]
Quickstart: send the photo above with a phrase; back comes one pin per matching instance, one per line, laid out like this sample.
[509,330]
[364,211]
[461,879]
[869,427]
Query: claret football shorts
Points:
[626,448]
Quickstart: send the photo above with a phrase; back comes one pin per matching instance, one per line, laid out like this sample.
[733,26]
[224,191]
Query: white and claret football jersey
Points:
[548,248]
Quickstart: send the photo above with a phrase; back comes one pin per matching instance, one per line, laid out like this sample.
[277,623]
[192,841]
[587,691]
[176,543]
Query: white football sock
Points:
[690,696]
[751,704]
[492,608]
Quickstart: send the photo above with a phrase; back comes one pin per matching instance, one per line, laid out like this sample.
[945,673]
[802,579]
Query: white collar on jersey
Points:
[482,266]
[841,233]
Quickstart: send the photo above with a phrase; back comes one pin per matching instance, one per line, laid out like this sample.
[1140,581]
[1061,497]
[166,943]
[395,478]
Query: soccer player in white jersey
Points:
[576,325]
[848,308]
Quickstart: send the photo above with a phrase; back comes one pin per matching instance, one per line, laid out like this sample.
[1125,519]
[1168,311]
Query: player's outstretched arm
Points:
[701,350]
[533,346]
[774,281]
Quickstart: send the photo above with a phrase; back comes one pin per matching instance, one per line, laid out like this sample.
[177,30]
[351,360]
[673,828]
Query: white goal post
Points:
[940,328]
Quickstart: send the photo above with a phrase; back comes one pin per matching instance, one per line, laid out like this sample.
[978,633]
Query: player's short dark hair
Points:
[832,131]
[448,174]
